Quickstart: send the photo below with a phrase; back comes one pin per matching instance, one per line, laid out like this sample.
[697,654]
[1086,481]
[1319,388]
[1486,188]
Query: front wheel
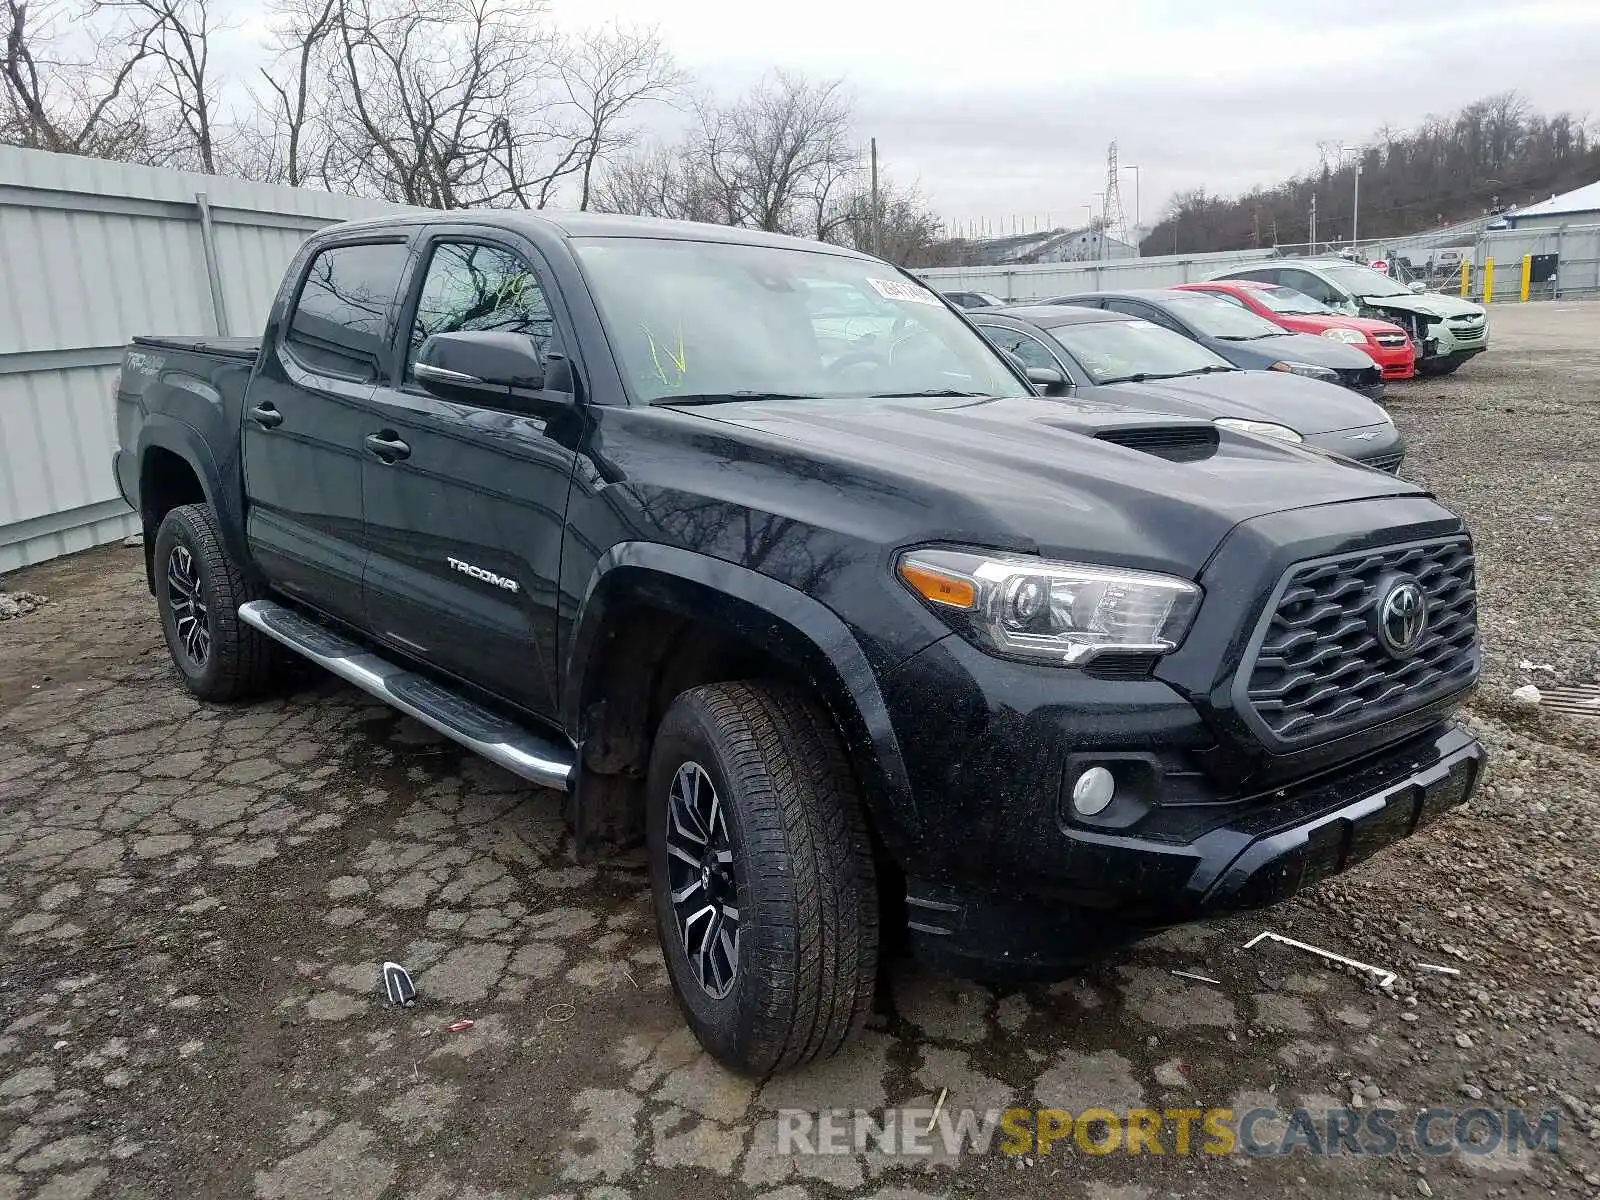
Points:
[761,874]
[1434,369]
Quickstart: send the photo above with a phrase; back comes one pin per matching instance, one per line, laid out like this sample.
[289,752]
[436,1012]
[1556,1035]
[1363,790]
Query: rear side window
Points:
[340,322]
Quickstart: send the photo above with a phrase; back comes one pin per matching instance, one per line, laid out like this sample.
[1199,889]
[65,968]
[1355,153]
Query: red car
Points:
[1387,345]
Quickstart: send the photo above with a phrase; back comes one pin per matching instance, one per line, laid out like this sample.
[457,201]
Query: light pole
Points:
[1355,203]
[1099,247]
[1136,223]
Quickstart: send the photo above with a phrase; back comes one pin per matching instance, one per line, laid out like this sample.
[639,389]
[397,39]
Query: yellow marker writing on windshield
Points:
[679,360]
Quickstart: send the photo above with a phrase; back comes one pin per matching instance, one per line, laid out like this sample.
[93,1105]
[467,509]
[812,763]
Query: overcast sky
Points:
[1004,108]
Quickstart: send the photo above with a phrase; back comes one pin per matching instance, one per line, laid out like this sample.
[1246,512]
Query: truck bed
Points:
[246,348]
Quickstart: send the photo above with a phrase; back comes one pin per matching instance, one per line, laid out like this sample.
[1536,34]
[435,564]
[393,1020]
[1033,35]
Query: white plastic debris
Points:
[1438,969]
[1385,977]
[397,984]
[1527,696]
[1526,665]
[1197,978]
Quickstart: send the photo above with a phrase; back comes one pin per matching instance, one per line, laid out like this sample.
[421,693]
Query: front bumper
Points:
[1379,446]
[1394,362]
[1258,853]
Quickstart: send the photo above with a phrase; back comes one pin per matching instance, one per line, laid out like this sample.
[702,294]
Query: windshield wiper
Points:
[1247,337]
[1146,376]
[923,392]
[696,398]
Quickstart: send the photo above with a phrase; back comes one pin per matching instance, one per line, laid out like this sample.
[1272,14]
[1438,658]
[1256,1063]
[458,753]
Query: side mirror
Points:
[1047,380]
[496,370]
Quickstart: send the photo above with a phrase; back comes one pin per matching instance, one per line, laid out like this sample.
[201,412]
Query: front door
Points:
[465,505]
[305,414]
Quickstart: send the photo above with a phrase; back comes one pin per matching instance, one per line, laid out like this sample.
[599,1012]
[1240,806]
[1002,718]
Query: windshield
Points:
[704,321]
[1121,351]
[1217,318]
[1287,300]
[1363,281]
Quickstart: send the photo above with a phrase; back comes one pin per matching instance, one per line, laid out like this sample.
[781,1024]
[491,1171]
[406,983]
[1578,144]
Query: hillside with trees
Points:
[1494,153]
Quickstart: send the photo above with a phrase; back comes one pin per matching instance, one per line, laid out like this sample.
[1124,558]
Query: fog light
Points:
[1093,791]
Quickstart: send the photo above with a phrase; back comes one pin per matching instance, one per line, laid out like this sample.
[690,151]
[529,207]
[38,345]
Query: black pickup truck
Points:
[763,555]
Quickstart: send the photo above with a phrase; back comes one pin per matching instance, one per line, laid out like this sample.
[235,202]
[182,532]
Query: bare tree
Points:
[606,75]
[774,148]
[303,34]
[178,34]
[93,103]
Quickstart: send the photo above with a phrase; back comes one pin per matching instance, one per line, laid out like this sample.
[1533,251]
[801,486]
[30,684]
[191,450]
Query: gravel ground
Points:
[194,902]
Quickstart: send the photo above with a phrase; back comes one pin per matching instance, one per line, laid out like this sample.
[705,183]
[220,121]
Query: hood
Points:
[1428,304]
[1307,406]
[1025,473]
[1307,348]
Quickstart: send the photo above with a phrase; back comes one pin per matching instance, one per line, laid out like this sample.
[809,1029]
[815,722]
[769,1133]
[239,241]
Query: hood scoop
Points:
[1176,443]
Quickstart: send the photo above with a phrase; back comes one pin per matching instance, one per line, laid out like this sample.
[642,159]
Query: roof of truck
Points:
[589,224]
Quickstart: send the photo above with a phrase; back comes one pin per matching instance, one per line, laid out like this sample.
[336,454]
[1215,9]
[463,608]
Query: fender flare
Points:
[798,629]
[178,437]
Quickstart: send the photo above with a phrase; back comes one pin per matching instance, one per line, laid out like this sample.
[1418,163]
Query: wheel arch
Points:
[711,599]
[176,466]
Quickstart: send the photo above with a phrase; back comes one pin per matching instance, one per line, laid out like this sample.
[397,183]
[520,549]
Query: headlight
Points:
[1350,337]
[1051,612]
[1261,428]
[1309,370]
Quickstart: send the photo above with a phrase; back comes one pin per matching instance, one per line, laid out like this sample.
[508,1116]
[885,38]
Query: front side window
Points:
[475,288]
[721,320]
[340,321]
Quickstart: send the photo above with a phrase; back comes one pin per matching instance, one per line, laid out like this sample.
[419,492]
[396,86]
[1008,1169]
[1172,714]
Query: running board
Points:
[535,758]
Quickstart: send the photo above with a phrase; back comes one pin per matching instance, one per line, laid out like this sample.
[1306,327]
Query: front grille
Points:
[1392,340]
[1360,377]
[1385,462]
[1320,670]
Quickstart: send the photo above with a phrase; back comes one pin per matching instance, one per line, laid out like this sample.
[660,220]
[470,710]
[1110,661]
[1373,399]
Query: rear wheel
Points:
[762,876]
[199,590]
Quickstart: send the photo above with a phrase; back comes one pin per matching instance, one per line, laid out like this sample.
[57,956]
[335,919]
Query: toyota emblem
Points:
[1402,617]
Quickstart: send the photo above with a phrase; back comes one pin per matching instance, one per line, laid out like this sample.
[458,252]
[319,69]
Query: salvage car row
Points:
[1239,349]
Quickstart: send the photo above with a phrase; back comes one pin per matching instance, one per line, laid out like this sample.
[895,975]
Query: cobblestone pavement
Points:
[195,901]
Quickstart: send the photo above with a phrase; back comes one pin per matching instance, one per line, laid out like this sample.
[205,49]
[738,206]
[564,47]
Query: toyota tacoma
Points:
[866,641]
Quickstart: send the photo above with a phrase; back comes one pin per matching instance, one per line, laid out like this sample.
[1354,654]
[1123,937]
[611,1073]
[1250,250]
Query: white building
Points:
[1578,207]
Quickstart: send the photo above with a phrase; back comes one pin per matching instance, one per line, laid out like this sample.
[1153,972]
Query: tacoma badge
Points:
[466,568]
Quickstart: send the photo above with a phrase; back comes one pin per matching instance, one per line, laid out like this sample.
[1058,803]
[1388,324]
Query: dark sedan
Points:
[1140,365]
[1247,341]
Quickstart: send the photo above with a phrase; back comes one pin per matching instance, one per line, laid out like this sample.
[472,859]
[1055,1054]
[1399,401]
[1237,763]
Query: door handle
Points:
[266,416]
[387,446]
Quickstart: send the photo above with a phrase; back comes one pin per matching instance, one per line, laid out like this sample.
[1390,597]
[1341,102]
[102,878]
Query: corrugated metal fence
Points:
[1035,281]
[1576,264]
[92,253]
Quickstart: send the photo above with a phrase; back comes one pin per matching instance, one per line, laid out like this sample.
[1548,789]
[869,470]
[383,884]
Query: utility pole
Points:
[876,233]
[1313,222]
[1136,221]
[1355,203]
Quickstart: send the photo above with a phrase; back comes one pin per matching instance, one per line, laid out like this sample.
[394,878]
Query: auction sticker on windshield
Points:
[899,289]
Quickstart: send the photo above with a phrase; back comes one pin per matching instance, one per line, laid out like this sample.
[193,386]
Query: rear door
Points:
[466,505]
[305,414]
